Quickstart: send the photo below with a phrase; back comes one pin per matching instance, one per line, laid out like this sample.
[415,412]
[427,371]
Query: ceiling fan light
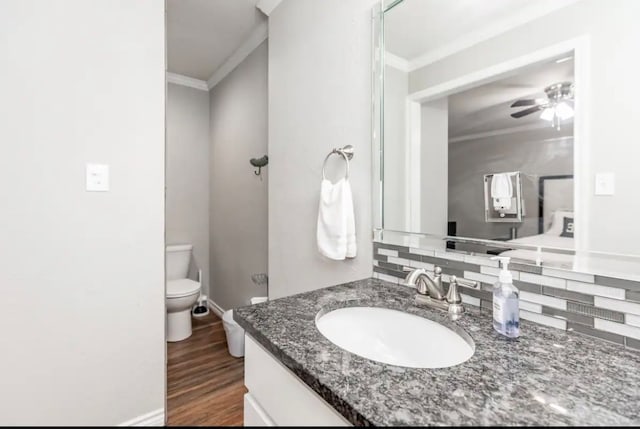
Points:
[564,111]
[547,114]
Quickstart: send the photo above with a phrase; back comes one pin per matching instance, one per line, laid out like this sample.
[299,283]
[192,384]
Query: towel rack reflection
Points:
[346,152]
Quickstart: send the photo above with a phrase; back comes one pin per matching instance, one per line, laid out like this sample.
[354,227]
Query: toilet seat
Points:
[182,287]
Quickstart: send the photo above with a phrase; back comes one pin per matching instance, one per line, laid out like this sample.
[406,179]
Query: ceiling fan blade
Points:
[522,103]
[528,111]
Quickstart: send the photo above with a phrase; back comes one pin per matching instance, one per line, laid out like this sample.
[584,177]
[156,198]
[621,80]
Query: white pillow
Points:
[557,221]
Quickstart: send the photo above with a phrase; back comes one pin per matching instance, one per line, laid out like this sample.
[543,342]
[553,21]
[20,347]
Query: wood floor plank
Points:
[205,384]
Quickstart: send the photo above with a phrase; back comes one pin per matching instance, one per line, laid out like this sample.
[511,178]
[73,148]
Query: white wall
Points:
[238,203]
[82,273]
[187,204]
[614,67]
[319,98]
[434,155]
[396,204]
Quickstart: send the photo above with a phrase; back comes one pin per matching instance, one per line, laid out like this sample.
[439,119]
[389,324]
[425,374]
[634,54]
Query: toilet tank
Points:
[178,257]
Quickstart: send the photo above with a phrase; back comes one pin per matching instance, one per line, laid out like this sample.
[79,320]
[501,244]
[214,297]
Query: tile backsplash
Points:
[603,307]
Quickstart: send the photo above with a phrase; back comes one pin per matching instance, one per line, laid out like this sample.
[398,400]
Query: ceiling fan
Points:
[555,108]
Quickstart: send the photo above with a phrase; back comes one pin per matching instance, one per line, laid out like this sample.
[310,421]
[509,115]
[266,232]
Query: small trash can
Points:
[234,333]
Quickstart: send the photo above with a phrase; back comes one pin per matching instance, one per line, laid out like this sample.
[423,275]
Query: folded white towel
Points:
[351,221]
[501,191]
[336,231]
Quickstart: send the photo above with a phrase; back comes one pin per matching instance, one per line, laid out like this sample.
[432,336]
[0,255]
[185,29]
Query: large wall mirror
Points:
[510,126]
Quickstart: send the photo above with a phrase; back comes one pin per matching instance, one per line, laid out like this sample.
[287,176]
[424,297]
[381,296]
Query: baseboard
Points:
[215,308]
[154,418]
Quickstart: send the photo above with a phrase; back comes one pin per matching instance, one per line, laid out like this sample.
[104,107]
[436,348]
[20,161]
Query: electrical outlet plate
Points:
[97,178]
[605,184]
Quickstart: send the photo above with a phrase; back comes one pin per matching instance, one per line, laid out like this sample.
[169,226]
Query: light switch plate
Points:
[97,177]
[605,184]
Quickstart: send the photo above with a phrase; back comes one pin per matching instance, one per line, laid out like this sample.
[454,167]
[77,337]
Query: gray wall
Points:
[319,98]
[535,153]
[187,182]
[238,203]
[81,273]
[613,82]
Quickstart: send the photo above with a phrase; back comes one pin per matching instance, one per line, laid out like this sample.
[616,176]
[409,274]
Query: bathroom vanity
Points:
[296,376]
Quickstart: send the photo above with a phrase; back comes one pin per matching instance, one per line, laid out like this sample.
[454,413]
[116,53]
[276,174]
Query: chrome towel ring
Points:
[346,152]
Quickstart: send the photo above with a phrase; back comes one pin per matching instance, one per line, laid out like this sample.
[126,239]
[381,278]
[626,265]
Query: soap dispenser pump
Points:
[506,312]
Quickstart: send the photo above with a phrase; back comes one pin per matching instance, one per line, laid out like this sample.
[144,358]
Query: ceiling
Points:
[203,34]
[415,28]
[488,107]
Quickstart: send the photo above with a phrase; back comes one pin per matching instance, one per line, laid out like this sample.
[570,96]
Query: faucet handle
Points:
[467,283]
[453,296]
[437,271]
[454,299]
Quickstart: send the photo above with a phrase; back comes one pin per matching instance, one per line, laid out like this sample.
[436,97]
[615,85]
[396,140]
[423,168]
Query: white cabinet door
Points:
[254,415]
[281,396]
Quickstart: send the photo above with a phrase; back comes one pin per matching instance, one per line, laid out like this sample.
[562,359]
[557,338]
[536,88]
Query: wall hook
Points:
[259,162]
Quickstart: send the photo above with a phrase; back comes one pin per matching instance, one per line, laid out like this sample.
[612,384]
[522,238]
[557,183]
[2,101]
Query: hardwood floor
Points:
[205,384]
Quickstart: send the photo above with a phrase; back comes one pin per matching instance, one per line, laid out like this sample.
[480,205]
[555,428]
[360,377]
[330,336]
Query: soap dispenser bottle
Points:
[506,312]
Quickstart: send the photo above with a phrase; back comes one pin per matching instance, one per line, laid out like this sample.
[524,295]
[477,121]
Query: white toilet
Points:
[182,293]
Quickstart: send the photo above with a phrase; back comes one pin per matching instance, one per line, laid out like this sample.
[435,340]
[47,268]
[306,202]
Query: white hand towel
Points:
[335,233]
[350,220]
[501,191]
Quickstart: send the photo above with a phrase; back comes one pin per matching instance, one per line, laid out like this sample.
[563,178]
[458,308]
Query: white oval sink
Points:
[395,337]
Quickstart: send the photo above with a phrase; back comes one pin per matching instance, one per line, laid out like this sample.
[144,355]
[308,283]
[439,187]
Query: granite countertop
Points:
[546,377]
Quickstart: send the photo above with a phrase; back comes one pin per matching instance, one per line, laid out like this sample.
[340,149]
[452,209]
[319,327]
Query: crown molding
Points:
[179,79]
[396,62]
[504,131]
[267,6]
[254,40]
[533,11]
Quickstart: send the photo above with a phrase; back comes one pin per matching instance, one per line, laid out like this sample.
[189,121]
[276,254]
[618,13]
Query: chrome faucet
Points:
[431,292]
[420,279]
